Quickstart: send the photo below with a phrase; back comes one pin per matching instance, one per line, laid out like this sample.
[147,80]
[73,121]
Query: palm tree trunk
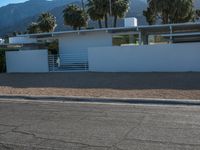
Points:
[115,21]
[100,25]
[106,21]
[165,18]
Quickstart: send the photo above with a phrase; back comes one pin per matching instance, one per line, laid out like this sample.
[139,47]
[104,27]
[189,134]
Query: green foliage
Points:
[119,9]
[183,13]
[170,11]
[150,14]
[94,11]
[100,9]
[33,28]
[53,47]
[75,17]
[46,22]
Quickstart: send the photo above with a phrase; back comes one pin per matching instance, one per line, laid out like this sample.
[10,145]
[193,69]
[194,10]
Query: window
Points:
[158,39]
[125,39]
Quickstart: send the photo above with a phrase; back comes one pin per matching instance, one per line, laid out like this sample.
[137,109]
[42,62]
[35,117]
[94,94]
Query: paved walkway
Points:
[69,126]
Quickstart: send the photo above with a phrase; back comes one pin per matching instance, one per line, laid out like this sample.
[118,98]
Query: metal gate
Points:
[68,62]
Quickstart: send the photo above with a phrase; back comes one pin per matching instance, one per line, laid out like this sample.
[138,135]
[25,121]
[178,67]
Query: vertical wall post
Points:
[140,38]
[53,58]
[171,32]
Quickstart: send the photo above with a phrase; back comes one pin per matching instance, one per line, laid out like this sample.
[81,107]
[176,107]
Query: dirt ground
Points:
[129,85]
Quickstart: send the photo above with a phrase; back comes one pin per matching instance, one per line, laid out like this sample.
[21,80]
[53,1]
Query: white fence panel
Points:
[27,61]
[147,58]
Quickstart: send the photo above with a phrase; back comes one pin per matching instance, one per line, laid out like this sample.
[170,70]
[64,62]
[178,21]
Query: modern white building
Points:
[156,48]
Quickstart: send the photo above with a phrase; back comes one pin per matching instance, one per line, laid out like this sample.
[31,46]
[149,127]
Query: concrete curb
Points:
[150,101]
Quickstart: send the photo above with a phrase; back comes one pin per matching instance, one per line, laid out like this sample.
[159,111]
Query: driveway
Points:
[70,126]
[130,85]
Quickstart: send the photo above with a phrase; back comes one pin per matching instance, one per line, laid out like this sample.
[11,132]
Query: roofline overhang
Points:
[137,28]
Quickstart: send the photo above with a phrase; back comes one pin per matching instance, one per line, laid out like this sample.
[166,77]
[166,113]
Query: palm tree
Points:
[119,9]
[33,28]
[170,11]
[150,15]
[46,22]
[99,10]
[104,6]
[183,13]
[75,17]
[92,10]
[151,12]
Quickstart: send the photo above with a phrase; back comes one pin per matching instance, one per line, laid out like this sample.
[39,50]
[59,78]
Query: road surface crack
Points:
[163,142]
[57,140]
[13,127]
[127,133]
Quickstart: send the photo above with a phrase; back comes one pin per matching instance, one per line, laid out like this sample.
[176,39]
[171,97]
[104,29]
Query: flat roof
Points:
[181,27]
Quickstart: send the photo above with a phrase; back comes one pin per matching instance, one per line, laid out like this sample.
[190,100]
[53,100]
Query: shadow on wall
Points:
[122,81]
[2,61]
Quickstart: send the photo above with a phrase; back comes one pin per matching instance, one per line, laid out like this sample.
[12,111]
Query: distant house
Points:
[162,48]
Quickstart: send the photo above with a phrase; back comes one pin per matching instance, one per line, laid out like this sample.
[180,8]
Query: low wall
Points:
[27,61]
[147,58]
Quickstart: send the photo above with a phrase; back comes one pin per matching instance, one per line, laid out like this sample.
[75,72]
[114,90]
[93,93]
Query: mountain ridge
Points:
[22,14]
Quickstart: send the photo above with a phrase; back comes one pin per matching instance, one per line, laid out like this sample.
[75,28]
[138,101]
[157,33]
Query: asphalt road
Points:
[70,126]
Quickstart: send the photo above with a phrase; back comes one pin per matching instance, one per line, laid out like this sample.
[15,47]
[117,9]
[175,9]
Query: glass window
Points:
[158,39]
[126,39]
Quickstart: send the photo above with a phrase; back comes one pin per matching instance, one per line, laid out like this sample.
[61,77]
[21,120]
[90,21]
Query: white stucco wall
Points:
[75,44]
[147,58]
[27,61]
[21,40]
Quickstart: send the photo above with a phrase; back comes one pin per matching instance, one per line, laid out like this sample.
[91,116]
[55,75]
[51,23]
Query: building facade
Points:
[162,48]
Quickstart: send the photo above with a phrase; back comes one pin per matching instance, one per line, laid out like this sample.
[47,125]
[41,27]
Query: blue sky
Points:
[6,2]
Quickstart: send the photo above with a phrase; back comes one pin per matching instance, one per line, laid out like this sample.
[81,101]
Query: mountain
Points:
[20,23]
[16,17]
[14,13]
[197,4]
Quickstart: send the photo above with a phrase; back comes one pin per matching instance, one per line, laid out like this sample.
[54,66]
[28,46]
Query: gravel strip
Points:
[130,85]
